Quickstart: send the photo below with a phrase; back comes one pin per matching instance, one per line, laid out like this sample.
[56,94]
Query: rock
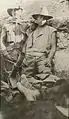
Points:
[32,80]
[61,62]
[25,82]
[13,82]
[61,23]
[1,115]
[4,85]
[42,76]
[64,111]
[51,79]
[29,93]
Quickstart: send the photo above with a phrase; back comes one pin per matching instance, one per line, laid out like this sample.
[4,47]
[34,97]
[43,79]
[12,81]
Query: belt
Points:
[13,46]
[35,54]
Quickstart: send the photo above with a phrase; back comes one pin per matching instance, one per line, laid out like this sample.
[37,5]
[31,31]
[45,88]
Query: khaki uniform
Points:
[41,39]
[37,50]
[12,41]
[37,73]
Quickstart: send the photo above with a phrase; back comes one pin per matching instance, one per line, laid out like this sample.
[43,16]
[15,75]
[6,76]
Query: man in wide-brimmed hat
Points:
[40,50]
[44,13]
[13,11]
[11,42]
[10,24]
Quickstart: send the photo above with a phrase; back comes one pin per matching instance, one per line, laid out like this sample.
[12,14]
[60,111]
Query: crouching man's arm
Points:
[53,47]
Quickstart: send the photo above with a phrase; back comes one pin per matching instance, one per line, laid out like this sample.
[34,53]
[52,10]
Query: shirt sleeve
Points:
[51,31]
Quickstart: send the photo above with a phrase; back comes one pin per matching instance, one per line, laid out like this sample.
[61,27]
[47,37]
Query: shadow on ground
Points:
[21,109]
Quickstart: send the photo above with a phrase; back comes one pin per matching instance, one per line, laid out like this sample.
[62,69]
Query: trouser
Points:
[36,66]
[8,64]
[35,72]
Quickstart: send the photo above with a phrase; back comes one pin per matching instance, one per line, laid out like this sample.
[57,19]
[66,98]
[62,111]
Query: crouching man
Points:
[40,50]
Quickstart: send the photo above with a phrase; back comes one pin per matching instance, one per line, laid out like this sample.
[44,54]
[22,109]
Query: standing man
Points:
[9,31]
[40,50]
[12,37]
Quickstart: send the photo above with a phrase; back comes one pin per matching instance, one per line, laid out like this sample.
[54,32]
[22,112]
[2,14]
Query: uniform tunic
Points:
[40,40]
[14,37]
[12,42]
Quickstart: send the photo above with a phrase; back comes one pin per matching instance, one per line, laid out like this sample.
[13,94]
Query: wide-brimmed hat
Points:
[43,12]
[9,10]
[11,20]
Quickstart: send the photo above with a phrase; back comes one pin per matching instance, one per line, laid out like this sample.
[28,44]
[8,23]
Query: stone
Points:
[29,93]
[61,62]
[64,111]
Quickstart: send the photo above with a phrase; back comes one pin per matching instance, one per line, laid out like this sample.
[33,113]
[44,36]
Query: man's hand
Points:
[6,55]
[53,46]
[48,62]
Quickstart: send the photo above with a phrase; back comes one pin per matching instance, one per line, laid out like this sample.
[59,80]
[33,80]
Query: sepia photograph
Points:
[34,59]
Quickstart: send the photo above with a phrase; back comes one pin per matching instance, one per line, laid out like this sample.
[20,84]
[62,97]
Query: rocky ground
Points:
[19,108]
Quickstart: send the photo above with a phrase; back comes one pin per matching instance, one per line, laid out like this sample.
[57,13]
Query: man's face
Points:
[18,13]
[33,26]
[13,13]
[39,20]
